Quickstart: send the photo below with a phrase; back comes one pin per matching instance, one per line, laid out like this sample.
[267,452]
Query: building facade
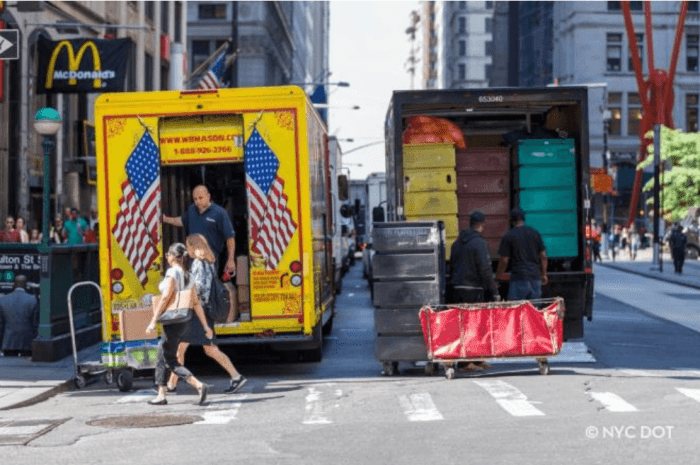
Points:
[151,27]
[591,47]
[457,44]
[278,43]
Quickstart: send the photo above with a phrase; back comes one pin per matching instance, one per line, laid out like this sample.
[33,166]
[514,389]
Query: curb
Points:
[62,387]
[649,275]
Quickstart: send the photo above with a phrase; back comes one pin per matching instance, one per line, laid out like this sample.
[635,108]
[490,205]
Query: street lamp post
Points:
[47,122]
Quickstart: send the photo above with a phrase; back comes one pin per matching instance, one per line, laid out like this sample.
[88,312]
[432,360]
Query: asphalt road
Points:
[638,403]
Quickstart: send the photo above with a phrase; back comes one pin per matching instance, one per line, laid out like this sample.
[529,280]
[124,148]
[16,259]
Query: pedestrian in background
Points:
[22,229]
[597,239]
[635,241]
[75,227]
[19,318]
[176,279]
[9,234]
[58,234]
[470,268]
[677,241]
[202,272]
[524,249]
[35,237]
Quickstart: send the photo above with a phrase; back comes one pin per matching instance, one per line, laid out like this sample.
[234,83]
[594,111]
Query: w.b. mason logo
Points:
[73,74]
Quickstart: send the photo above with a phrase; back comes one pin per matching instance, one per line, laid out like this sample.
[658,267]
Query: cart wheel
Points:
[80,381]
[430,369]
[544,366]
[450,373]
[125,379]
[109,377]
[391,368]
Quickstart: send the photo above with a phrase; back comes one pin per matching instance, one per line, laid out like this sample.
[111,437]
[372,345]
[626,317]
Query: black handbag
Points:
[180,308]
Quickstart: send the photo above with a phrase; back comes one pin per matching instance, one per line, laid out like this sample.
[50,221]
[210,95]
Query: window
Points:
[164,16]
[694,6]
[200,52]
[462,71]
[691,52]
[489,5]
[617,6]
[489,72]
[489,48]
[212,11]
[640,50]
[462,48]
[178,22]
[691,112]
[614,52]
[615,107]
[462,25]
[489,25]
[462,5]
[634,113]
[149,10]
[148,71]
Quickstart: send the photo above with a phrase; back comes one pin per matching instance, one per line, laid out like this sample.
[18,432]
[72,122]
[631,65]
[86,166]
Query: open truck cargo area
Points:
[263,154]
[525,147]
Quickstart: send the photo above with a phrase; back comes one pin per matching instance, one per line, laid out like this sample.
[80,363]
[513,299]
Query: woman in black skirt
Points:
[203,271]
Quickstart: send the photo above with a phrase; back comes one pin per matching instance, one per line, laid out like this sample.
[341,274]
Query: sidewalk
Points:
[643,263]
[24,382]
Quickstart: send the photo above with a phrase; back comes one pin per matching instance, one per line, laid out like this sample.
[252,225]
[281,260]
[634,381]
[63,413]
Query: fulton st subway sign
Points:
[82,65]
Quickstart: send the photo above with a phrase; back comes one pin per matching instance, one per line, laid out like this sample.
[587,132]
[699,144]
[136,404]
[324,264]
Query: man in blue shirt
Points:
[210,220]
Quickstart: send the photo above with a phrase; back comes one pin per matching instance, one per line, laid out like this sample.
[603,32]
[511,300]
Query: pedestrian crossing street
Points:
[329,402]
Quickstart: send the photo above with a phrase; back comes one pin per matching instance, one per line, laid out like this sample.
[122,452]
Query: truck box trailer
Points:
[525,147]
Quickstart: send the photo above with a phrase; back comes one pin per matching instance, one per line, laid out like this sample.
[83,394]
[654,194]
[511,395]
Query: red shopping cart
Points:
[474,332]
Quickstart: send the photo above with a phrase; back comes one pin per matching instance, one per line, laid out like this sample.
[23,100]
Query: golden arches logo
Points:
[74,63]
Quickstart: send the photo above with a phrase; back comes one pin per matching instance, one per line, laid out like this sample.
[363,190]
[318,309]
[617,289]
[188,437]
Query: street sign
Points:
[9,44]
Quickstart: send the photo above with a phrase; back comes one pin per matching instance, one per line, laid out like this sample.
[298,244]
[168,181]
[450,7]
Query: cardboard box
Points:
[133,324]
[243,294]
[242,270]
[244,311]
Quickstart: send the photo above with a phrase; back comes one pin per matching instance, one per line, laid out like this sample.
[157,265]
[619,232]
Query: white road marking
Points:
[222,413]
[22,430]
[142,395]
[510,398]
[352,294]
[612,402]
[420,407]
[314,409]
[692,393]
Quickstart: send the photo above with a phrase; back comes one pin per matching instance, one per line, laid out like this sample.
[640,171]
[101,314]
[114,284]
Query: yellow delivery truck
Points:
[263,154]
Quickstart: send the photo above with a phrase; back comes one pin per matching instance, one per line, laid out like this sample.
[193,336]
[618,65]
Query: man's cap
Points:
[476,216]
[517,214]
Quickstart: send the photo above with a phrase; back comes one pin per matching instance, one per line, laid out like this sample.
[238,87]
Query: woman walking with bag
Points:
[176,280]
[203,272]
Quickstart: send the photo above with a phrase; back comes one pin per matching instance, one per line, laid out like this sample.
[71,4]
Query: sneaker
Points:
[236,384]
[203,393]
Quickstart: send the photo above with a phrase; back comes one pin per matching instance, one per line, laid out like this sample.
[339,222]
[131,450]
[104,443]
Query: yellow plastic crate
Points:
[439,179]
[430,203]
[451,222]
[428,156]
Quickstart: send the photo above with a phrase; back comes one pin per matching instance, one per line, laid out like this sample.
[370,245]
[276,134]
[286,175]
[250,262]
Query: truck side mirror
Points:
[342,187]
[378,214]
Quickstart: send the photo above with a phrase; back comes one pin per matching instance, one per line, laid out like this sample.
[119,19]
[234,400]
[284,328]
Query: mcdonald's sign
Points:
[82,65]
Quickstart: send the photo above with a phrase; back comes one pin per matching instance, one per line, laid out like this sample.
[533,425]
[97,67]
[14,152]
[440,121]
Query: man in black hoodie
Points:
[470,264]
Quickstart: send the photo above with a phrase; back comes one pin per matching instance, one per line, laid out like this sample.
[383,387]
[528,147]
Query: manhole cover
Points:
[145,421]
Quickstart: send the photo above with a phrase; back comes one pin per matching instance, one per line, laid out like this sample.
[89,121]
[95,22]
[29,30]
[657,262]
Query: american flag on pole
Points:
[272,225]
[212,78]
[136,227]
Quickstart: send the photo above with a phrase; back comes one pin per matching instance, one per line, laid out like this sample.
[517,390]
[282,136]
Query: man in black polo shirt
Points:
[210,220]
[523,247]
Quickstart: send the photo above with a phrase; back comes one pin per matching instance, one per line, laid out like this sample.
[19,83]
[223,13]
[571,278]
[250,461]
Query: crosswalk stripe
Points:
[612,402]
[692,393]
[314,413]
[142,395]
[420,407]
[225,412]
[510,398]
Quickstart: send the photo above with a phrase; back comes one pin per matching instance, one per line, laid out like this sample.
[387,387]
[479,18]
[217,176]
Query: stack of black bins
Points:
[408,272]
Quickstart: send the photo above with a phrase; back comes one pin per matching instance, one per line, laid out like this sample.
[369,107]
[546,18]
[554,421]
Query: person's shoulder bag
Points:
[180,307]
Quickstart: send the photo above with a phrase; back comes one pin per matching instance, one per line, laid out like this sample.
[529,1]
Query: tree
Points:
[681,184]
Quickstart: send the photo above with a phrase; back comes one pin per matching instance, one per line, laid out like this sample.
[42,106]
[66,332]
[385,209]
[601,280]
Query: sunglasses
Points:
[9,222]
